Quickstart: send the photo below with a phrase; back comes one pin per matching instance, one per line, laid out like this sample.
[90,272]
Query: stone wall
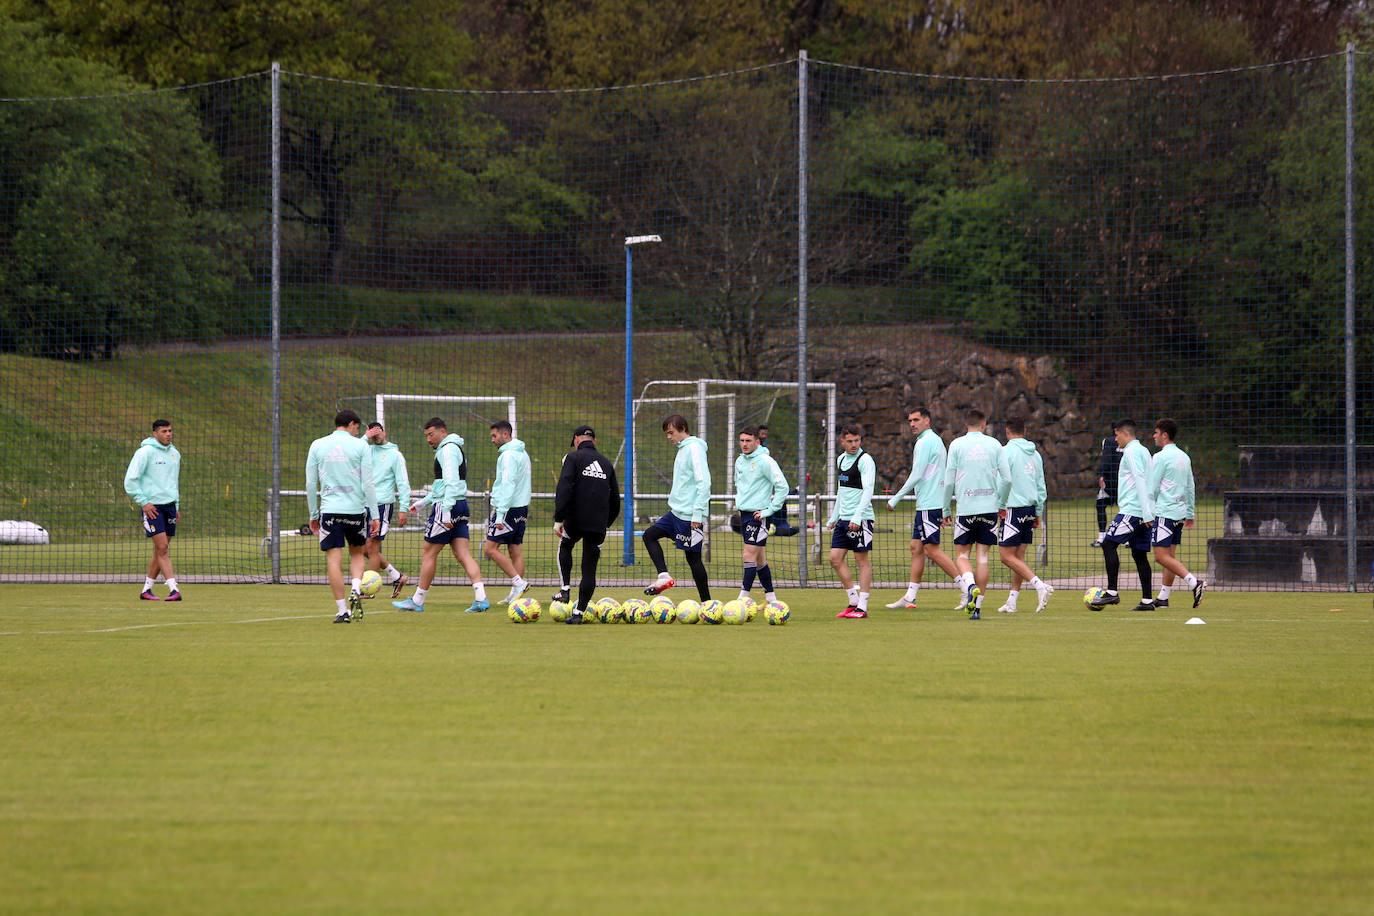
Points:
[878,381]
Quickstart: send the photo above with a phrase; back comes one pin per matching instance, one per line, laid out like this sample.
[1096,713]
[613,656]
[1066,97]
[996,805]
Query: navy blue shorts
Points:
[860,541]
[685,537]
[435,530]
[1018,526]
[338,530]
[754,532]
[976,529]
[514,532]
[1130,530]
[165,523]
[926,526]
[1168,532]
[384,513]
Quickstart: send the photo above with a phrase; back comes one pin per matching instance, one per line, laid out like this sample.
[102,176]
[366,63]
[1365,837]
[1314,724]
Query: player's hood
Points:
[755,454]
[1021,445]
[385,445]
[514,445]
[451,437]
[697,440]
[158,445]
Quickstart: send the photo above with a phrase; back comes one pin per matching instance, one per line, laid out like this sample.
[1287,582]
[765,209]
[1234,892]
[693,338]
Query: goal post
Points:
[509,400]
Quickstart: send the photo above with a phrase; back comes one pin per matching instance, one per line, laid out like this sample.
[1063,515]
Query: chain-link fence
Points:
[246,258]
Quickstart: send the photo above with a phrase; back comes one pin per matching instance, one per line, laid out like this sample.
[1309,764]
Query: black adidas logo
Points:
[594,470]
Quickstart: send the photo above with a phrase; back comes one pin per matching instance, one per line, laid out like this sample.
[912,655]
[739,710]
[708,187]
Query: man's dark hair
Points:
[1126,424]
[1016,425]
[675,421]
[750,431]
[1168,427]
[501,426]
[375,425]
[159,423]
[919,409]
[762,427]
[346,417]
[974,416]
[851,429]
[436,423]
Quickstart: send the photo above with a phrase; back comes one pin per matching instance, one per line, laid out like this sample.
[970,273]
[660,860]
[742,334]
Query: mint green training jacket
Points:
[390,476]
[338,476]
[1133,482]
[1023,476]
[154,474]
[760,485]
[1171,483]
[927,475]
[511,488]
[972,473]
[450,478]
[690,497]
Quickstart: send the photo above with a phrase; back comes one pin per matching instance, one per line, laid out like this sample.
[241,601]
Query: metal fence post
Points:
[1351,541]
[275,498]
[802,293]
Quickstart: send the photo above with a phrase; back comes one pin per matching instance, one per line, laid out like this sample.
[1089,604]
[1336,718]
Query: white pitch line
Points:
[175,623]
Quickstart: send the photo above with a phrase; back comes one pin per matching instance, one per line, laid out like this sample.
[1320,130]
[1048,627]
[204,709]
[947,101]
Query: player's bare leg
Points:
[1167,558]
[918,571]
[357,565]
[429,564]
[462,552]
[942,560]
[964,575]
[512,566]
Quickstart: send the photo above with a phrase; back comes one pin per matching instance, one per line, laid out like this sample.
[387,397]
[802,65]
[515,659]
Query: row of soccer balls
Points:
[657,610]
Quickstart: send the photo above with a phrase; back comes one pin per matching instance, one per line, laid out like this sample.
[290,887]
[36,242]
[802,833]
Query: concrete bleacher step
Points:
[1311,561]
[1302,467]
[1295,512]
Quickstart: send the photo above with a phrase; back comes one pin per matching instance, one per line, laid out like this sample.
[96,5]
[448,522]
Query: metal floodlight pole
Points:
[628,546]
[802,294]
[274,499]
[1351,543]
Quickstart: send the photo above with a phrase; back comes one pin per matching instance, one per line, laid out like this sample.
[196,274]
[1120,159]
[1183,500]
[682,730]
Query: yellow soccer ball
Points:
[777,613]
[633,611]
[734,613]
[711,612]
[371,583]
[608,610]
[560,611]
[660,610]
[688,611]
[523,610]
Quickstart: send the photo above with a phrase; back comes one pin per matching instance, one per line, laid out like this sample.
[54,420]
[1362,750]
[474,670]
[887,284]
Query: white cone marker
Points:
[1194,621]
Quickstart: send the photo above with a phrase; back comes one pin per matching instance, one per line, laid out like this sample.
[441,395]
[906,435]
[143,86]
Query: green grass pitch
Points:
[238,753]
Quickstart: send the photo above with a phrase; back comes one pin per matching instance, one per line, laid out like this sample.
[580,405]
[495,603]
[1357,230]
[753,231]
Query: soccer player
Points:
[971,480]
[342,499]
[448,518]
[688,509]
[778,520]
[1021,493]
[1171,489]
[392,481]
[1108,466]
[152,482]
[760,491]
[927,478]
[510,508]
[851,519]
[1132,523]
[586,502]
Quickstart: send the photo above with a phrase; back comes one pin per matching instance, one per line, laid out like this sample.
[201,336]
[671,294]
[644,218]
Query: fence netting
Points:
[1072,253]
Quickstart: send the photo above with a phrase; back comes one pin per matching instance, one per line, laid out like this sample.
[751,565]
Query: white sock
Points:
[1035,583]
[1191,580]
[742,595]
[519,582]
[358,586]
[148,584]
[1110,591]
[419,596]
[1165,591]
[392,573]
[978,602]
[911,591]
[339,603]
[1011,598]
[480,591]
[172,584]
[863,601]
[853,594]
[770,597]
[664,577]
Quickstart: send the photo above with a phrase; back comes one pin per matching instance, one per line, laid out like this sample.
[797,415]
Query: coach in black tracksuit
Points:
[585,505]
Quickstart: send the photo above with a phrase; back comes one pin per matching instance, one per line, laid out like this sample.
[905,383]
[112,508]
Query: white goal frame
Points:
[508,400]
